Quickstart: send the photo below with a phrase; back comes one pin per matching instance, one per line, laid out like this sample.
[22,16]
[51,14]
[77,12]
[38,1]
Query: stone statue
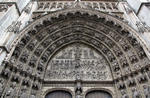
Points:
[29,70]
[131,82]
[121,85]
[6,72]
[11,92]
[78,94]
[78,89]
[23,93]
[135,93]
[124,94]
[146,91]
[32,96]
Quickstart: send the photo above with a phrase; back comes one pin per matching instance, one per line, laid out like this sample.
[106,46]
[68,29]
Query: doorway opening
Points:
[98,94]
[58,94]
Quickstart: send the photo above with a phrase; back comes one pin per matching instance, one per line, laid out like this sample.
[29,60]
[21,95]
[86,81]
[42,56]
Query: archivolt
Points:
[37,43]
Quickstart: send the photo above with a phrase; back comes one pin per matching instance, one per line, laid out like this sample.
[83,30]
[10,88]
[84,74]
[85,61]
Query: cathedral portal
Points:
[76,53]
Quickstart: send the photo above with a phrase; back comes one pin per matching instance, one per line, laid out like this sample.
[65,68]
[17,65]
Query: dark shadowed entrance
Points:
[98,94]
[59,94]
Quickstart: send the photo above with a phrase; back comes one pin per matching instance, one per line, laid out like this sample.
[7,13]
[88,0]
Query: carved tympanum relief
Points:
[78,59]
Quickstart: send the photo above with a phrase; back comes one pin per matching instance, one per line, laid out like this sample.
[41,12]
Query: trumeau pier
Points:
[73,49]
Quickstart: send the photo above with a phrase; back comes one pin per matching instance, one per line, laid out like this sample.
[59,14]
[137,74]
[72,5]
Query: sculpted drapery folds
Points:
[36,53]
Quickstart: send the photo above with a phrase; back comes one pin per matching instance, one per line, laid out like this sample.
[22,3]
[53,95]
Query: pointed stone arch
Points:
[119,43]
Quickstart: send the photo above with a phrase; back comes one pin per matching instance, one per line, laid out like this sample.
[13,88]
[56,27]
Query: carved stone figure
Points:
[6,72]
[121,85]
[124,62]
[24,92]
[110,56]
[135,93]
[36,85]
[24,57]
[133,59]
[131,82]
[78,95]
[20,66]
[141,54]
[78,91]
[40,5]
[141,78]
[16,77]
[124,45]
[26,81]
[25,39]
[38,51]
[32,96]
[124,94]
[44,57]
[11,92]
[29,70]
[32,45]
[78,87]
[146,91]
[127,70]
[32,62]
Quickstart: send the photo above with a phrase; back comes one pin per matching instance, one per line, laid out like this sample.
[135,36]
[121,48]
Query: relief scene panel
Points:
[78,60]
